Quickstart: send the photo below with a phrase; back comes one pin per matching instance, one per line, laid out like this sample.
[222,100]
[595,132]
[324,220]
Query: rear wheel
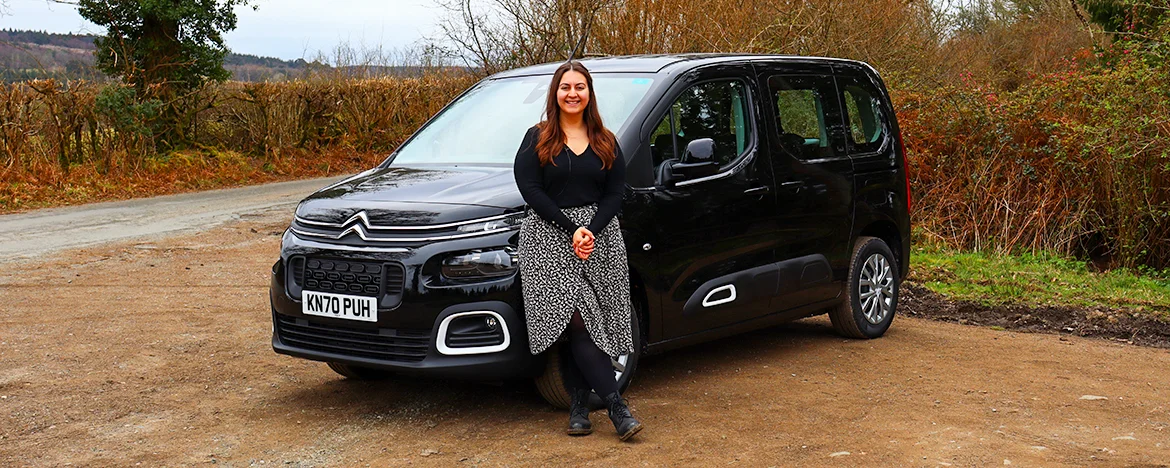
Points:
[350,371]
[551,383]
[871,294]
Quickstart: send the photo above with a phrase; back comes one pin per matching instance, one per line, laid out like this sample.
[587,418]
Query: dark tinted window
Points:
[717,110]
[863,109]
[805,109]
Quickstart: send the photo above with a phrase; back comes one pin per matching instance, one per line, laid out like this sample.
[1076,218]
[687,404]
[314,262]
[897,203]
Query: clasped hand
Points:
[583,243]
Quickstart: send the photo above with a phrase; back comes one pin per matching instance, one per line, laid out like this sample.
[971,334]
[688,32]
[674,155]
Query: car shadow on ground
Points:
[414,400]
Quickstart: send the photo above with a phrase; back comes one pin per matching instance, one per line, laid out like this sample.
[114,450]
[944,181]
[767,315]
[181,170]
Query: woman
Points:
[573,268]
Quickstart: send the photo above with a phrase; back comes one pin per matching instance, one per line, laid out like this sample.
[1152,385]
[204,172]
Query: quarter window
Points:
[864,112]
[717,110]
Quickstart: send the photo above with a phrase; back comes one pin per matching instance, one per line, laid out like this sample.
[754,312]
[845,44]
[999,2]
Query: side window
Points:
[800,111]
[803,105]
[717,110]
[663,137]
[867,129]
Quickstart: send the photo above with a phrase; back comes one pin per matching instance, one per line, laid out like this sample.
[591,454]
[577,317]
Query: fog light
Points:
[472,332]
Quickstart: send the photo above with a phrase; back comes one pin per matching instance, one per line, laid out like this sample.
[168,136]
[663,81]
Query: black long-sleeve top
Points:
[575,180]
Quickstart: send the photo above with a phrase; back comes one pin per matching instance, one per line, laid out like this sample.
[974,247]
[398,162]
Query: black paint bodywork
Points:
[780,228]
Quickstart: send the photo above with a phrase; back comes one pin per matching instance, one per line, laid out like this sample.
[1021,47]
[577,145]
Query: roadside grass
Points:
[1038,279]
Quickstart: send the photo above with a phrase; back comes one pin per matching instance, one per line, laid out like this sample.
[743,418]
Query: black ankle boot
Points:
[619,413]
[579,413]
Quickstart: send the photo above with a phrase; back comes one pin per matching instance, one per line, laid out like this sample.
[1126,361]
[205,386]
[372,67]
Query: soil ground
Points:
[1131,327]
[158,353]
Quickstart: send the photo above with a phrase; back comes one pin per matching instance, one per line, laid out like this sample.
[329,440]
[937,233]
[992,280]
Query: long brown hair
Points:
[551,139]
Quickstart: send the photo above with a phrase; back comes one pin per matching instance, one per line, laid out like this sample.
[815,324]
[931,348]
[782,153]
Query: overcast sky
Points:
[287,29]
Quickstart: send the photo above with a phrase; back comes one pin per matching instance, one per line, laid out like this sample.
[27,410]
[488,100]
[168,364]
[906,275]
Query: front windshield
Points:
[487,124]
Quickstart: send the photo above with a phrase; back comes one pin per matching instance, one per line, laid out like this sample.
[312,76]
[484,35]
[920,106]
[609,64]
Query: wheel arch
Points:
[888,232]
[640,299]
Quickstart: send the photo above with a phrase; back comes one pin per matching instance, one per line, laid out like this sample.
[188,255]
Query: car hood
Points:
[417,195]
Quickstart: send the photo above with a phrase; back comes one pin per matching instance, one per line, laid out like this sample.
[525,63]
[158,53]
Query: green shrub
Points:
[125,113]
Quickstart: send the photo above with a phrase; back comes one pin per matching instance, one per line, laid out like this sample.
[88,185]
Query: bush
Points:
[77,141]
[1075,161]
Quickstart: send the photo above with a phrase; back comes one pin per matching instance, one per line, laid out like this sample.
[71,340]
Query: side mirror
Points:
[699,150]
[698,161]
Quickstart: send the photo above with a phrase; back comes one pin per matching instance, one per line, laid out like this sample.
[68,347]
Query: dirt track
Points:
[158,353]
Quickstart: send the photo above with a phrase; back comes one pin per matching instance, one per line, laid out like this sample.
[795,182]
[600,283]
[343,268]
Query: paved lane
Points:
[26,235]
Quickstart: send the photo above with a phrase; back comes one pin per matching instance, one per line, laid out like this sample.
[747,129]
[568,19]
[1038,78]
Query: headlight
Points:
[501,224]
[481,264]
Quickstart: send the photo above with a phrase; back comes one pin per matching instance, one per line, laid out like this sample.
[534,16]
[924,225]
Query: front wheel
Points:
[871,294]
[551,383]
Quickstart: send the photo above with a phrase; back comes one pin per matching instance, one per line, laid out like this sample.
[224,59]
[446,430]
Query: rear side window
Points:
[801,112]
[803,105]
[863,109]
[715,109]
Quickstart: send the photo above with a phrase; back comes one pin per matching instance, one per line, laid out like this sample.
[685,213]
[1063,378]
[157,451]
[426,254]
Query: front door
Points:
[715,231]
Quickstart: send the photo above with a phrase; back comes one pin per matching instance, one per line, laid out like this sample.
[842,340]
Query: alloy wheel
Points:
[619,366]
[876,289]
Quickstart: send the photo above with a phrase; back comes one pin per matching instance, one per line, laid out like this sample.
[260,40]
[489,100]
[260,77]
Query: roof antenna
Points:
[580,48]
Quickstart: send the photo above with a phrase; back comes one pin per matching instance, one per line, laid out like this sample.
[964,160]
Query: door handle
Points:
[760,190]
[792,186]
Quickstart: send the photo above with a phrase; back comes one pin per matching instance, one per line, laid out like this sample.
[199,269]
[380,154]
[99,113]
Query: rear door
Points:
[715,234]
[880,181]
[806,143]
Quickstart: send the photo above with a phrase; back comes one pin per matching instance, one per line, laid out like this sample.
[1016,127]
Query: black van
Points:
[761,189]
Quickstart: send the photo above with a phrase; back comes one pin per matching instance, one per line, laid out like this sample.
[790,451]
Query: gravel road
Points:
[25,235]
[156,352]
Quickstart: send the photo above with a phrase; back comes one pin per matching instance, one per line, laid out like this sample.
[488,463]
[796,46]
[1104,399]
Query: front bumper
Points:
[513,362]
[406,337]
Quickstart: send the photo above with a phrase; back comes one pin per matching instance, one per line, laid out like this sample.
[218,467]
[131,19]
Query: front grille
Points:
[383,280]
[387,344]
[395,277]
[297,266]
[345,277]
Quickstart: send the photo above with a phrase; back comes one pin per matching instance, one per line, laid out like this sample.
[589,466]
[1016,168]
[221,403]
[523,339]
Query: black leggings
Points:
[586,365]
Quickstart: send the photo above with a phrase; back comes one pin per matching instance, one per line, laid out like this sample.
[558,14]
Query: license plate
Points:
[340,306]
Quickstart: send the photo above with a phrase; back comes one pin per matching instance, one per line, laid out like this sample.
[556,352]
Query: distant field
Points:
[27,55]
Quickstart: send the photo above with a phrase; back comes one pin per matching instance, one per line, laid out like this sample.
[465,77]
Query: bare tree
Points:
[493,35]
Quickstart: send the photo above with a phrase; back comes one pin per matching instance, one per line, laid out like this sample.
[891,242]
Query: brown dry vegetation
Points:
[58,148]
[1026,126]
[502,34]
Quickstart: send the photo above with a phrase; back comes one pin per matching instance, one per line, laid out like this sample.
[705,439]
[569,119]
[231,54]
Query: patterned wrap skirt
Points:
[554,283]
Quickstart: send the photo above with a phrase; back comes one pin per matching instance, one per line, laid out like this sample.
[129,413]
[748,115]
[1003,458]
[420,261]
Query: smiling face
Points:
[573,93]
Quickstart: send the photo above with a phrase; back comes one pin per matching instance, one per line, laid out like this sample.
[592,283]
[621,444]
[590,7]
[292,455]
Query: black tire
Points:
[551,384]
[849,319]
[350,371]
